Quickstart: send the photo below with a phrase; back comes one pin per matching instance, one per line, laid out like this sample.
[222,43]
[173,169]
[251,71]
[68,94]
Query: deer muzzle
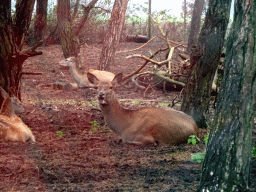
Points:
[101,98]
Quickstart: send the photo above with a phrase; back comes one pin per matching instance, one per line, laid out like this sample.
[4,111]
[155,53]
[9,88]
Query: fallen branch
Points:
[148,59]
[158,74]
[141,67]
[168,79]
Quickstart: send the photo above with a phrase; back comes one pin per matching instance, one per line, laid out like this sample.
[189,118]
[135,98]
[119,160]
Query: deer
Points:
[81,78]
[143,126]
[12,128]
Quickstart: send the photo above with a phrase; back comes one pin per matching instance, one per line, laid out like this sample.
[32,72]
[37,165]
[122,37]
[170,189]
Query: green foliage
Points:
[206,139]
[254,152]
[193,139]
[198,157]
[94,125]
[59,134]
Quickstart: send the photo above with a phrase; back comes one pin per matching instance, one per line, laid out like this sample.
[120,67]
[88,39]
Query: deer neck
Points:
[115,116]
[80,79]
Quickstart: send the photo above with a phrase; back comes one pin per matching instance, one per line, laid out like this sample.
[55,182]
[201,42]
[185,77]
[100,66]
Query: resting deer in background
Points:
[143,126]
[12,127]
[81,78]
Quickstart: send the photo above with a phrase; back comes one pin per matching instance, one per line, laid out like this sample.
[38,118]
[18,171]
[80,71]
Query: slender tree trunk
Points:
[40,21]
[112,37]
[204,61]
[227,162]
[68,32]
[12,33]
[69,42]
[195,23]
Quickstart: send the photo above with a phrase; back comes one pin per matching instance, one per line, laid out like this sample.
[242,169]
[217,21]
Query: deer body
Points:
[12,127]
[142,126]
[81,78]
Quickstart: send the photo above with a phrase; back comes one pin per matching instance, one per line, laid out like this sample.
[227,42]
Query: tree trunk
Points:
[112,37]
[40,21]
[204,61]
[12,33]
[227,162]
[195,23]
[69,42]
[68,33]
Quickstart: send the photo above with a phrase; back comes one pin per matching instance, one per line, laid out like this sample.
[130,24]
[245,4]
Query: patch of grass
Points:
[198,157]
[94,125]
[163,104]
[135,102]
[93,103]
[59,134]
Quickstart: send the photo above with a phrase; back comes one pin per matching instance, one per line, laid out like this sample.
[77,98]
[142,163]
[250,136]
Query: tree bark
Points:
[204,61]
[69,37]
[195,23]
[40,21]
[12,33]
[227,162]
[112,37]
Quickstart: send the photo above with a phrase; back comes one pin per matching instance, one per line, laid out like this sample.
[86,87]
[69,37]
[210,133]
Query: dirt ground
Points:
[75,151]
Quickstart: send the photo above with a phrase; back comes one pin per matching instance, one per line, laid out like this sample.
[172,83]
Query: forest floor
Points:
[75,151]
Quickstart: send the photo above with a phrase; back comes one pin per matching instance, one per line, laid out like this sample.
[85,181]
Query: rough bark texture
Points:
[112,37]
[195,23]
[204,60]
[227,161]
[22,18]
[68,32]
[12,33]
[69,42]
[41,20]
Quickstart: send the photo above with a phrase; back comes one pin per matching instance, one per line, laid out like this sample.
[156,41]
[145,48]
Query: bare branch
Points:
[85,16]
[75,10]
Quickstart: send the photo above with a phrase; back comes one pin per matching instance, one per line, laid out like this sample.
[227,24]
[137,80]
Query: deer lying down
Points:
[12,127]
[142,126]
[80,78]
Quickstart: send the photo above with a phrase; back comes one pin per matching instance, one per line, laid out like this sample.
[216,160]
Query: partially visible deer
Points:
[143,126]
[81,78]
[12,127]
[15,102]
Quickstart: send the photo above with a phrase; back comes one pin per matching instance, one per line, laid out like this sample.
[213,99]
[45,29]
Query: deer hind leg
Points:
[137,139]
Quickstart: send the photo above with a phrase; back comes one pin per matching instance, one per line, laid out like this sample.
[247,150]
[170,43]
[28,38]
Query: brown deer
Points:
[143,126]
[81,78]
[12,127]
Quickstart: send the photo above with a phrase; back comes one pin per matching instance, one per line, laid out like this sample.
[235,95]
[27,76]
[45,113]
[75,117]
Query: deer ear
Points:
[92,78]
[3,93]
[117,79]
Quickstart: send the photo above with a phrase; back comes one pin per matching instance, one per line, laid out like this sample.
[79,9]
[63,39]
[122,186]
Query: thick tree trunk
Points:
[195,24]
[12,33]
[204,60]
[227,162]
[112,37]
[40,21]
